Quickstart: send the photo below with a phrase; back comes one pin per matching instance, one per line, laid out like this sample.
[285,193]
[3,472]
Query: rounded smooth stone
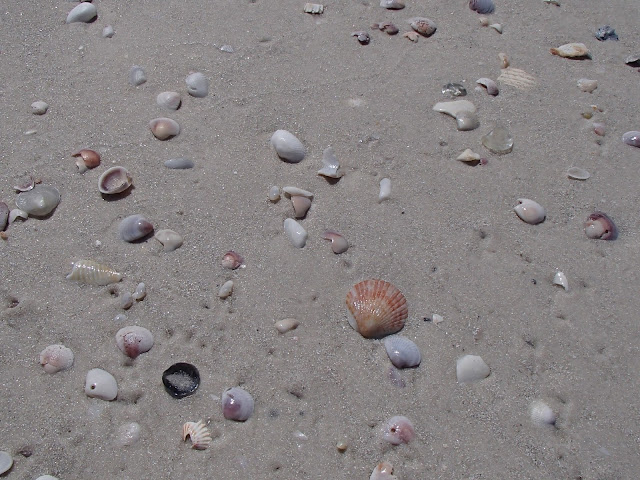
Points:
[6,462]
[40,201]
[498,140]
[179,163]
[632,138]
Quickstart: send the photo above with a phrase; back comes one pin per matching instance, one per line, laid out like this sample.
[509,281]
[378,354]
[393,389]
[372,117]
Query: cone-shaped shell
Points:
[376,308]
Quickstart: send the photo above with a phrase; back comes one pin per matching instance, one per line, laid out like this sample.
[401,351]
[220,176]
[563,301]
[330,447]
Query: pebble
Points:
[466,121]
[226,48]
[287,324]
[39,107]
[385,190]
[197,85]
[453,108]
[179,163]
[587,85]
[274,194]
[137,76]
[578,173]
[498,141]
[630,138]
[296,233]
[83,13]
[606,33]
[108,32]
[169,239]
[226,289]
[126,301]
[140,293]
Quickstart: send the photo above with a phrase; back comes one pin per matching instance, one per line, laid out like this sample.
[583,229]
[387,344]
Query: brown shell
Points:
[376,308]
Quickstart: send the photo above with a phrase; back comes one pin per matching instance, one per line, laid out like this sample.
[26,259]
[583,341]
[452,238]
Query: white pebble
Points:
[287,324]
[39,107]
[108,32]
[296,232]
[226,289]
[561,279]
[385,189]
[274,194]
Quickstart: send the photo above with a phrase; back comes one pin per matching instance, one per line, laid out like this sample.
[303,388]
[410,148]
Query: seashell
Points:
[437,318]
[423,26]
[296,232]
[578,173]
[385,190]
[504,60]
[587,85]
[402,352]
[134,227]
[454,89]
[600,226]
[237,404]
[363,37]
[552,2]
[517,78]
[633,60]
[313,8]
[342,446]
[383,471]
[87,159]
[330,165]
[137,76]
[542,414]
[484,21]
[398,430]
[17,213]
[469,156]
[39,107]
[599,128]
[226,48]
[226,289]
[338,243]
[287,146]
[489,85]
[301,205]
[84,12]
[93,273]
[25,184]
[413,36]
[170,100]
[466,121]
[274,194]
[232,260]
[181,380]
[126,301]
[47,477]
[454,107]
[133,340]
[164,128]
[376,308]
[114,180]
[169,239]
[632,138]
[55,358]
[39,201]
[471,368]
[392,4]
[6,462]
[497,27]
[179,163]
[530,211]
[605,33]
[561,279]
[287,324]
[100,384]
[197,85]
[4,216]
[140,292]
[198,433]
[128,434]
[571,50]
[292,191]
[482,6]
[388,28]
[498,140]
[108,32]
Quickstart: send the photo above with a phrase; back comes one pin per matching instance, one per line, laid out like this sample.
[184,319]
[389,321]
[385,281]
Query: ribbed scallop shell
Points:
[93,273]
[198,433]
[402,352]
[376,308]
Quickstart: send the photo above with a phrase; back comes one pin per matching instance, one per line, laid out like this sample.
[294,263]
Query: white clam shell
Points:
[134,227]
[471,368]
[296,232]
[542,414]
[530,211]
[170,100]
[561,279]
[100,384]
[55,358]
[137,76]
[287,146]
[140,293]
[403,352]
[164,128]
[6,462]
[134,340]
[226,289]
[84,12]
[385,190]
[169,239]
[39,107]
[454,107]
[237,404]
[197,85]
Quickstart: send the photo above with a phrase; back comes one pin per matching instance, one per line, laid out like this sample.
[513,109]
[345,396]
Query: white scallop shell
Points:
[471,368]
[197,85]
[55,358]
[93,273]
[6,462]
[198,433]
[237,404]
[83,12]
[296,232]
[402,352]
[530,211]
[542,414]
[287,146]
[134,340]
[100,384]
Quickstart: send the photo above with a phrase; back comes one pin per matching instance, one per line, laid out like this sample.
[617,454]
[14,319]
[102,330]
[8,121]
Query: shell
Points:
[93,273]
[454,107]
[181,379]
[471,368]
[291,191]
[126,301]
[170,100]
[402,352]
[87,159]
[497,27]
[314,8]
[169,239]
[6,462]
[198,433]
[55,358]
[482,6]
[100,384]
[423,26]
[413,36]
[134,227]
[17,213]
[164,128]
[4,216]
[197,85]
[25,184]
[561,279]
[137,76]
[387,27]
[237,404]
[274,194]
[385,190]
[133,340]
[571,50]
[376,308]
[39,107]
[383,471]
[530,211]
[392,4]
[296,233]
[489,85]
[498,140]
[600,226]
[108,32]
[331,166]
[179,163]
[466,121]
[632,138]
[587,85]
[40,201]
[542,414]
[232,260]
[504,60]
[140,292]
[599,129]
[469,156]
[338,243]
[301,205]
[578,173]
[287,324]
[128,434]
[114,180]
[517,78]
[398,430]
[226,289]
[287,146]
[84,12]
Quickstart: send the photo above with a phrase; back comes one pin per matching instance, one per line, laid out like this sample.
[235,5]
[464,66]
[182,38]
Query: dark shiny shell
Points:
[181,380]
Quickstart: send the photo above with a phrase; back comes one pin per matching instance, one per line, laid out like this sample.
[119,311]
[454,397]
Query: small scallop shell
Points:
[600,226]
[385,190]
[232,260]
[578,173]
[237,404]
[198,433]
[398,430]
[423,26]
[542,414]
[100,384]
[55,358]
[170,100]
[376,308]
[632,138]
[338,243]
[133,340]
[114,180]
[164,128]
[287,146]
[169,239]
[471,368]
[518,78]
[197,85]
[402,352]
[296,232]
[84,12]
[134,227]
[40,201]
[93,273]
[571,50]
[490,85]
[383,471]
[482,6]
[530,211]
[137,76]
[87,159]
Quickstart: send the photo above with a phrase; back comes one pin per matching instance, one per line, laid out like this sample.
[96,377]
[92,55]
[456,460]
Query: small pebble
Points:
[126,301]
[342,446]
[39,107]
[108,32]
[287,324]
[454,90]
[140,293]
[274,194]
[226,48]
[121,317]
[137,76]
[226,289]
[606,33]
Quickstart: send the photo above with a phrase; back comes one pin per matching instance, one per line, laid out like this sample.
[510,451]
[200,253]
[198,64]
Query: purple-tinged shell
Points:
[134,227]
[632,138]
[402,352]
[600,226]
[397,430]
[232,260]
[482,6]
[133,340]
[237,404]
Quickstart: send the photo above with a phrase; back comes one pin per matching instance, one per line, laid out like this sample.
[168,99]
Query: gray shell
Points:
[39,201]
[402,352]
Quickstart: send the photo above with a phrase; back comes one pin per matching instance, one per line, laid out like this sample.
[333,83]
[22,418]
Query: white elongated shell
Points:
[398,430]
[331,166]
[385,190]
[84,12]
[571,50]
[402,352]
[226,289]
[93,273]
[383,471]
[454,107]
[100,384]
[170,100]
[140,293]
[6,462]
[134,227]
[471,368]
[296,232]
[237,404]
[134,340]
[286,324]
[128,434]
[169,239]
[561,279]
[55,358]
[198,433]
[530,211]
[542,414]
[197,85]
[287,146]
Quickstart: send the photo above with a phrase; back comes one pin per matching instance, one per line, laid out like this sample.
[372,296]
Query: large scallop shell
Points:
[93,273]
[376,308]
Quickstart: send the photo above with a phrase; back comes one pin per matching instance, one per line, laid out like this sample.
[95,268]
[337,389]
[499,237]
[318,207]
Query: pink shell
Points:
[397,430]
[232,260]
[237,404]
[132,340]
[600,226]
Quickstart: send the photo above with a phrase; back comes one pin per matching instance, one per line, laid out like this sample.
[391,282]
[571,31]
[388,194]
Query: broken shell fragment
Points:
[6,462]
[287,324]
[87,159]
[133,340]
[40,201]
[469,156]
[108,31]
[134,227]
[530,211]
[392,4]
[571,50]
[232,260]
[423,26]
[376,308]
[169,239]
[296,232]
[385,190]
[25,184]
[197,85]
[587,85]
[402,352]
[578,173]
[287,146]
[181,380]
[314,8]
[517,78]
[84,12]
[237,404]
[497,27]
[383,471]
[226,289]
[331,166]
[93,273]
[16,213]
[338,243]
[386,27]
[137,76]
[198,433]
[466,121]
[489,85]
[504,60]
[114,180]
[170,100]
[498,140]
[301,205]
[413,36]
[454,107]
[471,368]
[542,414]
[561,279]
[362,36]
[100,384]
[164,128]
[632,138]
[482,6]
[55,358]
[600,226]
[398,430]
[39,107]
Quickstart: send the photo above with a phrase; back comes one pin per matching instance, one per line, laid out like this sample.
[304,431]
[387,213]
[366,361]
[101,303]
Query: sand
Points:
[447,238]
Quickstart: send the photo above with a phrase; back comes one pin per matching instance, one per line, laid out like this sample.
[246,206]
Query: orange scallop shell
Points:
[376,308]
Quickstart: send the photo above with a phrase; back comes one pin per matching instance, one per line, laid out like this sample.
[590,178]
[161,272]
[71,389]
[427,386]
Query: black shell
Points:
[181,380]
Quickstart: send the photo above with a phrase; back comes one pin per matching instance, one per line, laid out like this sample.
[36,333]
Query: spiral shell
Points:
[398,430]
[198,433]
[93,273]
[402,352]
[237,404]
[376,308]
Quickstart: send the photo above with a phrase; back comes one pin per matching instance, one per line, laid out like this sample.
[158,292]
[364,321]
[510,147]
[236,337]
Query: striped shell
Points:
[402,352]
[198,433]
[93,273]
[376,308]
